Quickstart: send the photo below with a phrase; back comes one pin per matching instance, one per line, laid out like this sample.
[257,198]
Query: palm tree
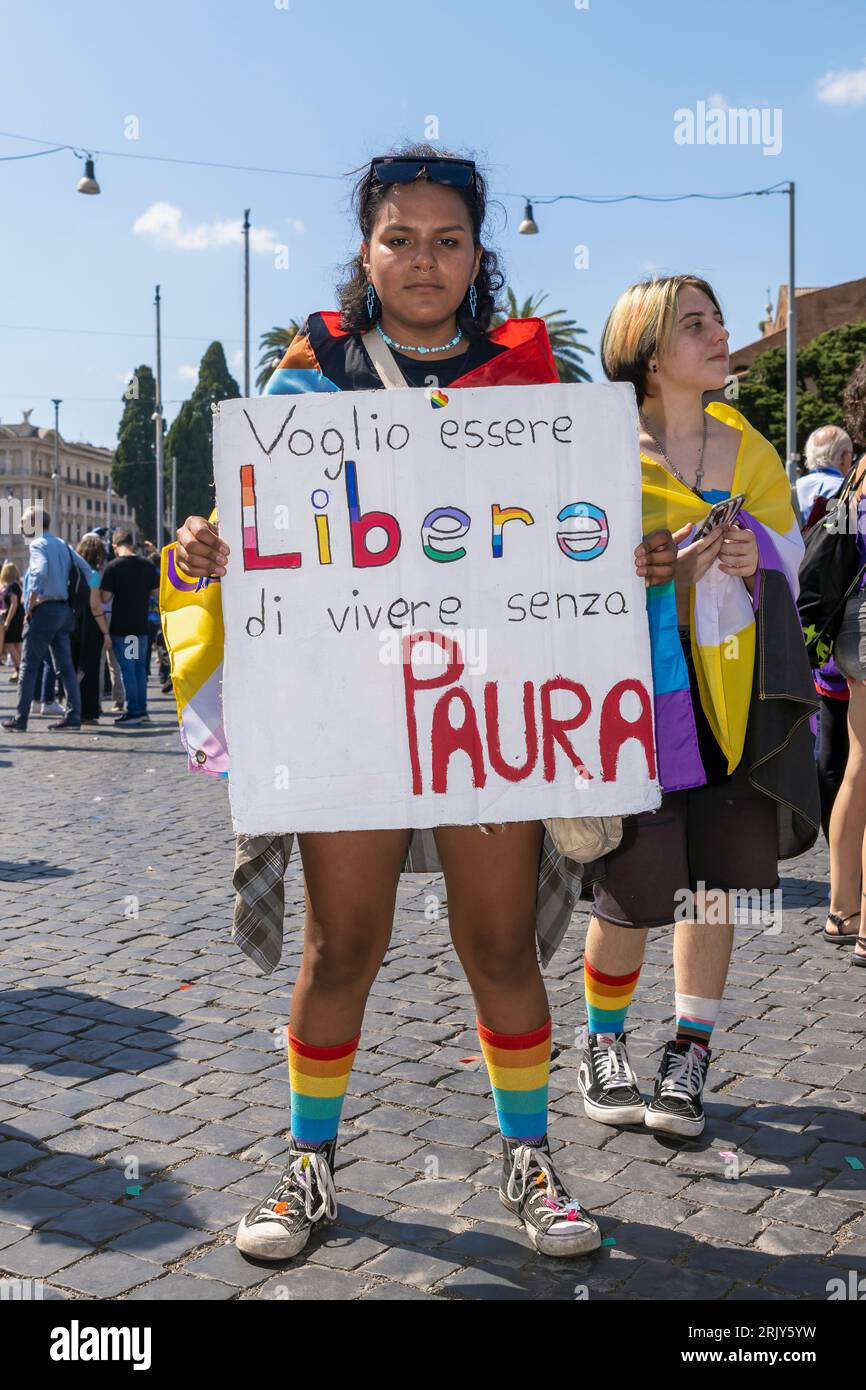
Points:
[272,345]
[564,334]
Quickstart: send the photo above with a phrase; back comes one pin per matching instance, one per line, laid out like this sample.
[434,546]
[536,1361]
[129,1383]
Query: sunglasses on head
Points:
[441,168]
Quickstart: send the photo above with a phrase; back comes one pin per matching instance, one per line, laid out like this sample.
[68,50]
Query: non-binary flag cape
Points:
[752,671]
[722,618]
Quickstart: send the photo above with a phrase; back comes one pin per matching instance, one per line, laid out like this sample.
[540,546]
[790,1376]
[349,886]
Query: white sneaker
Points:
[556,1223]
[53,708]
[279,1227]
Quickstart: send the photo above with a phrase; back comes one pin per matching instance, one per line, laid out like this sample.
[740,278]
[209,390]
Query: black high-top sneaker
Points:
[555,1222]
[607,1083]
[280,1226]
[677,1106]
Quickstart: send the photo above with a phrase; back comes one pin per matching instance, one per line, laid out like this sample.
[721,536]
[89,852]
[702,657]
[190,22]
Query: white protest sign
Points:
[432,615]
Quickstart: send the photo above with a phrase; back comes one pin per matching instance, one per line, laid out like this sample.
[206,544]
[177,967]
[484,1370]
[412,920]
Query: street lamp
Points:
[88,184]
[529,226]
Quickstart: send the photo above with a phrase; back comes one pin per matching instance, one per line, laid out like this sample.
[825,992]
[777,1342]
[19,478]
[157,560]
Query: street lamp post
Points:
[56,474]
[157,416]
[246,302]
[791,351]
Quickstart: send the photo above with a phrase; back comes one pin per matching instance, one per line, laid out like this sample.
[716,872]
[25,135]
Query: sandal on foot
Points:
[841,937]
[859,957]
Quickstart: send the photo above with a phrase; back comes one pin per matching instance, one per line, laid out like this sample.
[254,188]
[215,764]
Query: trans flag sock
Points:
[319,1077]
[695,1018]
[607,999]
[519,1068]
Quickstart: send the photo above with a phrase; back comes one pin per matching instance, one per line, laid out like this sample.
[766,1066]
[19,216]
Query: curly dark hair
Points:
[367,198]
[854,405]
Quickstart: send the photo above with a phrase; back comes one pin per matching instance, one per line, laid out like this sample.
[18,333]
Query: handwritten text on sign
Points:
[431,610]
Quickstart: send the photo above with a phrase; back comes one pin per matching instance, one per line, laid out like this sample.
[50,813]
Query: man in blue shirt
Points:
[51,620]
[829,454]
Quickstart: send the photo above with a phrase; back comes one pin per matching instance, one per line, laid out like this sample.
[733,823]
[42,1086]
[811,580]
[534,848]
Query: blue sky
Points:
[551,97]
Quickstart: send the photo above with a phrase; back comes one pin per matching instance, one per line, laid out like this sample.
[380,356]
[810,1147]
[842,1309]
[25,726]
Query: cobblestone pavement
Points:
[144,1088]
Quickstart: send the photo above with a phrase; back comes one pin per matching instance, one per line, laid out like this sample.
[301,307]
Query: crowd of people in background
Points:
[80,627]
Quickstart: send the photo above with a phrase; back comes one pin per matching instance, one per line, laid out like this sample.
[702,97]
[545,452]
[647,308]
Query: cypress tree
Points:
[190,438]
[133,471]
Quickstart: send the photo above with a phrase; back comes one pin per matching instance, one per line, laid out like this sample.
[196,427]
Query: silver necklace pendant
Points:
[699,471]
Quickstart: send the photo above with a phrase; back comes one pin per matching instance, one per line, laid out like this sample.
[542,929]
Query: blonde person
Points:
[738,772]
[11,615]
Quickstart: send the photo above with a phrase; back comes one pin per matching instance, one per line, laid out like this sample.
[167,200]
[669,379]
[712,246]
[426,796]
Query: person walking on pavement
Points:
[47,586]
[128,582]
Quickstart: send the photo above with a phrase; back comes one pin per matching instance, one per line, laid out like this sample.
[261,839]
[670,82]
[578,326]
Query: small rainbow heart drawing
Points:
[438,399]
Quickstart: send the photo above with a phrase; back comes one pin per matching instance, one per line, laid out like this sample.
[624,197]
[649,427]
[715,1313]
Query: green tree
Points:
[564,334]
[190,439]
[133,474]
[272,345]
[823,368]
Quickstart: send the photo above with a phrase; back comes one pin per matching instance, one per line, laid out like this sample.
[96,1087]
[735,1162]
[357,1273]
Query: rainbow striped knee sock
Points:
[607,999]
[519,1068]
[319,1077]
[696,1018]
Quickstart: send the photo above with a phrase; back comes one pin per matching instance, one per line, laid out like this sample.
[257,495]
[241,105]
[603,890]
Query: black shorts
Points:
[721,836]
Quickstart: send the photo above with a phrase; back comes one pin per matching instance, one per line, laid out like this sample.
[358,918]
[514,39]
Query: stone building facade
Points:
[77,500]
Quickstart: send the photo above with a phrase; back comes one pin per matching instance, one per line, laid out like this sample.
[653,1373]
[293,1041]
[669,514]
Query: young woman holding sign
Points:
[416,309]
[733,699]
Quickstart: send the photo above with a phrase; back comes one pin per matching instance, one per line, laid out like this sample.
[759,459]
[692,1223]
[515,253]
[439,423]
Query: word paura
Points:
[543,732]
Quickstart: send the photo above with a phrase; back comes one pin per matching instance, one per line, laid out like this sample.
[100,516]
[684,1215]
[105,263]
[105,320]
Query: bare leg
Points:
[350,890]
[492,882]
[615,950]
[848,821]
[702,950]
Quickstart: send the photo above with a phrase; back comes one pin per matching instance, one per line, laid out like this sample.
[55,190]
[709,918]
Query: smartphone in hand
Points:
[720,514]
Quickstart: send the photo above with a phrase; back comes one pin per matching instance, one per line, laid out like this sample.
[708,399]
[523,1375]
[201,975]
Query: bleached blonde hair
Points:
[641,323]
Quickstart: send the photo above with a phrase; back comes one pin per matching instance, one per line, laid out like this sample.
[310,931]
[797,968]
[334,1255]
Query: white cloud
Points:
[717,101]
[843,88]
[188,373]
[237,362]
[295,223]
[163,223]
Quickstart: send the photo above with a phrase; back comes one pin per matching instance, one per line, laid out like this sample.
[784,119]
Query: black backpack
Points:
[77,588]
[829,573]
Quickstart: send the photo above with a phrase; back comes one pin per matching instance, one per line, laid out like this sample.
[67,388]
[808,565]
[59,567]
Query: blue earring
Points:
[473,299]
[371,300]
